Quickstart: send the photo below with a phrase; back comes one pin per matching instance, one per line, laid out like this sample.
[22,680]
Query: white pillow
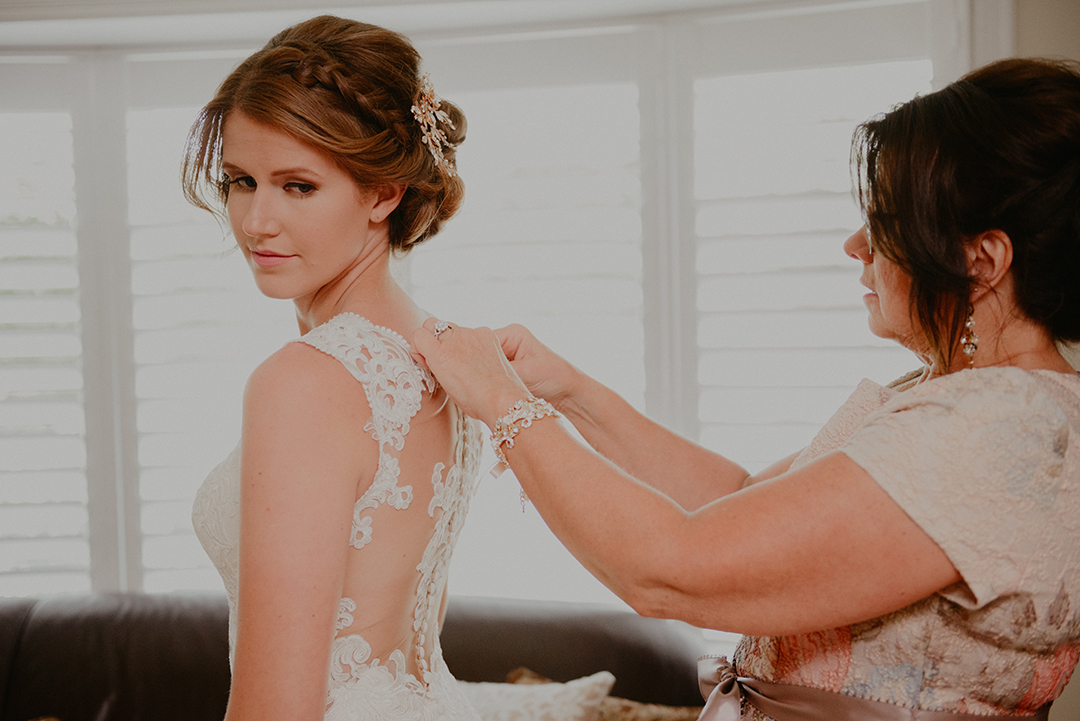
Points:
[577,700]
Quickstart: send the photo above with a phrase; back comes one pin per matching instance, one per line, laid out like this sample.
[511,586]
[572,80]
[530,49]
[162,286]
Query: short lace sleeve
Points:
[987,462]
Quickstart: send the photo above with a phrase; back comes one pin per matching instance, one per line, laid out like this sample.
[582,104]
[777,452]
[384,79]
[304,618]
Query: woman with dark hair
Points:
[333,522]
[920,559]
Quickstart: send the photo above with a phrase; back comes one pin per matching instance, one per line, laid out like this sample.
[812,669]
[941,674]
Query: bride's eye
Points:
[301,188]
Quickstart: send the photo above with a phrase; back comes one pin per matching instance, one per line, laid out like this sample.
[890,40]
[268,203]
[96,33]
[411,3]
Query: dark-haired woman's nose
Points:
[858,245]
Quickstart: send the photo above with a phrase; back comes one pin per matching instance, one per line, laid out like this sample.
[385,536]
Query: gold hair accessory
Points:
[428,113]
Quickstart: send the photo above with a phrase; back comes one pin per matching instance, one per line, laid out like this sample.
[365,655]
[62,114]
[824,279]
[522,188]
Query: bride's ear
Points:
[989,259]
[387,199]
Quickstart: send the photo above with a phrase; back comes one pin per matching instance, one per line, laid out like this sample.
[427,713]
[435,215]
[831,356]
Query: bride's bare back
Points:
[418,459]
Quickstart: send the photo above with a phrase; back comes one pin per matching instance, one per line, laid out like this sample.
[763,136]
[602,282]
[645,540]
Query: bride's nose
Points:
[260,220]
[858,245]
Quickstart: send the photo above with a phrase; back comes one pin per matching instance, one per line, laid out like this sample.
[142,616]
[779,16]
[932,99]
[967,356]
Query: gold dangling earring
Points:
[970,340]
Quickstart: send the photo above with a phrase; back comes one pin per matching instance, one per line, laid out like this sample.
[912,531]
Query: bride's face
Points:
[299,219]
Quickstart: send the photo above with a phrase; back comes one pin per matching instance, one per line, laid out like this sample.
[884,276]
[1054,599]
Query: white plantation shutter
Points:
[44,543]
[550,237]
[782,328]
[200,324]
[781,334]
[200,328]
[662,200]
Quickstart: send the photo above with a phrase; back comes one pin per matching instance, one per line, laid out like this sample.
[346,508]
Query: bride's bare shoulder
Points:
[300,383]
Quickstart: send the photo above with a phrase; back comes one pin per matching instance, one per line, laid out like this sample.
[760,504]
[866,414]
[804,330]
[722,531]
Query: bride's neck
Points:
[369,291]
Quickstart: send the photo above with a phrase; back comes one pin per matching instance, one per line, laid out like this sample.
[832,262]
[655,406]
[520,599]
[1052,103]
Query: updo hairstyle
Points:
[997,150]
[347,89]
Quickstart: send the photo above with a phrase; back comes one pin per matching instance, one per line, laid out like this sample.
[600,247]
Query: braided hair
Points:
[347,89]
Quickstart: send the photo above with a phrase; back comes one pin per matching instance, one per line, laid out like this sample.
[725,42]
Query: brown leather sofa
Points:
[145,657]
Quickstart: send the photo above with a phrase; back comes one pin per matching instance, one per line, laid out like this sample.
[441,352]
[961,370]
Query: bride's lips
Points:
[267,258]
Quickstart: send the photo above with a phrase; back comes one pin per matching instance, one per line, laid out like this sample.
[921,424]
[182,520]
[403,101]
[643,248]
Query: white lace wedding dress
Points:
[395,671]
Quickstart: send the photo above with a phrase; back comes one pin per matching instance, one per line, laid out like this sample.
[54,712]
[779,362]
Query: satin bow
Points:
[724,691]
[719,684]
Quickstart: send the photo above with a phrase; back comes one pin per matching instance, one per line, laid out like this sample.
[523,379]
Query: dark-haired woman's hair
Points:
[997,150]
[347,89]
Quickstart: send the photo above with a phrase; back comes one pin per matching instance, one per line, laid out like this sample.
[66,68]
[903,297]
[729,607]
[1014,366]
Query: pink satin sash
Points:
[723,690]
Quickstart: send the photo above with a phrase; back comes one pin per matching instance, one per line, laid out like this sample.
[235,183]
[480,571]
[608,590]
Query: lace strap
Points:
[380,360]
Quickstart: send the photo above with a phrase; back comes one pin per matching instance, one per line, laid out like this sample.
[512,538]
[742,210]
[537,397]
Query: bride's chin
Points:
[275,291]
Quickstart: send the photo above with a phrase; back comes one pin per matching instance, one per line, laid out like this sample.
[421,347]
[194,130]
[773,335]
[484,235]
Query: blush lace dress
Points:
[394,669]
[987,462]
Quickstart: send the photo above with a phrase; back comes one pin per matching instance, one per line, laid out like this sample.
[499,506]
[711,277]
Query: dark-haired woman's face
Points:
[889,299]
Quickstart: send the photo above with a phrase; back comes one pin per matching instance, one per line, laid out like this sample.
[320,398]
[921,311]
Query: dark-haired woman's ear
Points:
[386,200]
[989,257]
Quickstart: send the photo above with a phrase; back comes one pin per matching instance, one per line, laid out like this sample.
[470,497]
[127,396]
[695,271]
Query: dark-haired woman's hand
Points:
[546,374]
[470,365]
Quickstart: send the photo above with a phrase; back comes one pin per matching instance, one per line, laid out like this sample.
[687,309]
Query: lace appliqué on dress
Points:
[377,693]
[350,661]
[394,385]
[361,687]
[216,518]
[345,613]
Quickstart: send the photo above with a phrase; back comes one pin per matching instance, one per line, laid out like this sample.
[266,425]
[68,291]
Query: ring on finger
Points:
[441,327]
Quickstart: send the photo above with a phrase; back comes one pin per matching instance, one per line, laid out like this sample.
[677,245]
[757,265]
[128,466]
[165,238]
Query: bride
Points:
[333,522]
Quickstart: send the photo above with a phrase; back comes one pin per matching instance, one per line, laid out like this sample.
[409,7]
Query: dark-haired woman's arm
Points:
[819,547]
[683,470]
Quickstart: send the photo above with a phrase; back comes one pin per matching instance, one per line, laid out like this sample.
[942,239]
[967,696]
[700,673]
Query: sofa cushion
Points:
[124,656]
[653,661]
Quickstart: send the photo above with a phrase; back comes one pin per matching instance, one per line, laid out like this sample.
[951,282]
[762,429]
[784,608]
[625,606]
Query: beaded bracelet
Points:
[520,416]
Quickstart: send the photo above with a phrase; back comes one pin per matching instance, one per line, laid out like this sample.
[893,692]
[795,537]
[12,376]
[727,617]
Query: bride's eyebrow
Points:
[231,169]
[298,170]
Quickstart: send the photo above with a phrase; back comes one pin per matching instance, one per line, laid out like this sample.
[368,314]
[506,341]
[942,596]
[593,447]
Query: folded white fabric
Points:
[577,700]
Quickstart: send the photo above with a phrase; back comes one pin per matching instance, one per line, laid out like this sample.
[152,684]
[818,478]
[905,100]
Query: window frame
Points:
[96,91]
